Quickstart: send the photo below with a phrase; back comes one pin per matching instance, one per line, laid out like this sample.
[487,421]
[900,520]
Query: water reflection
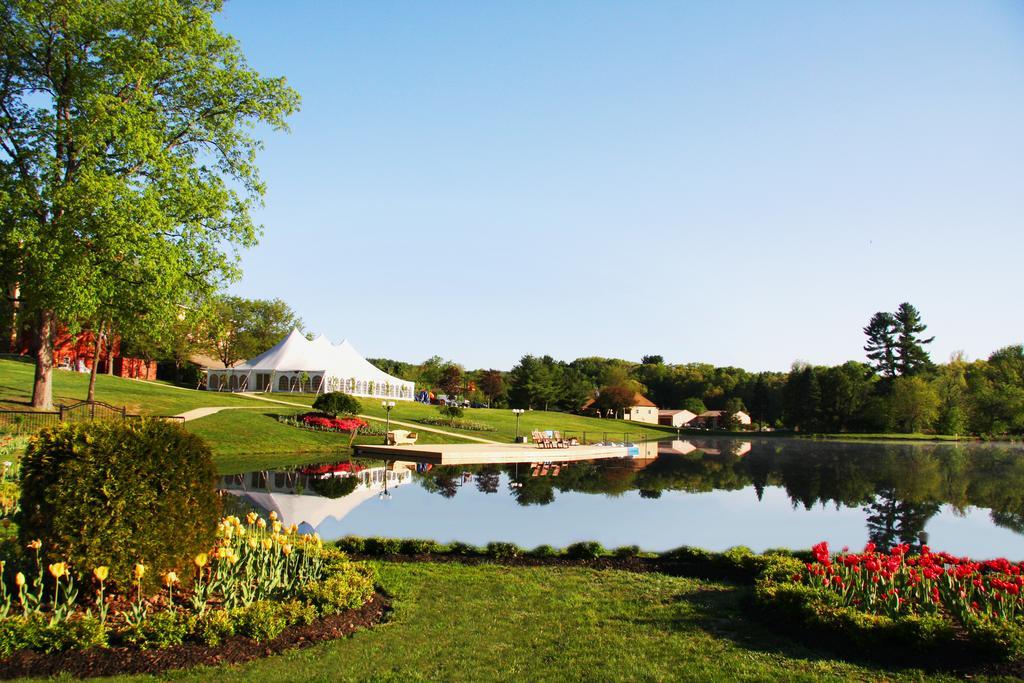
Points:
[676,492]
[309,496]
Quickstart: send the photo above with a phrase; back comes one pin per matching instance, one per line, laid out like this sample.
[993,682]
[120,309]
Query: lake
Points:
[709,493]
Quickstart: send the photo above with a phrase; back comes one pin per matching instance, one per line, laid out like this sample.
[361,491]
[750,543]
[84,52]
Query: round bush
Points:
[118,493]
[334,487]
[337,403]
[585,550]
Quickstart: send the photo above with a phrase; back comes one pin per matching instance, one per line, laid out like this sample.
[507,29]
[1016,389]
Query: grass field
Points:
[247,440]
[249,437]
[891,436]
[144,398]
[460,623]
[505,422]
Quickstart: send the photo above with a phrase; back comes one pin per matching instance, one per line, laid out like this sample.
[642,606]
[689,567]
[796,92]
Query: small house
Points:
[675,418]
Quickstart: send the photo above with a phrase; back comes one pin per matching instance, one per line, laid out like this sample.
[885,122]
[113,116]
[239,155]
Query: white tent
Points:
[297,364]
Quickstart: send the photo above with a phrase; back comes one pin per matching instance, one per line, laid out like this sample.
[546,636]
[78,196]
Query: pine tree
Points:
[881,346]
[911,357]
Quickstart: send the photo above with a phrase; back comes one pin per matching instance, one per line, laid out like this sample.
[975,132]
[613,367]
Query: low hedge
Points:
[738,563]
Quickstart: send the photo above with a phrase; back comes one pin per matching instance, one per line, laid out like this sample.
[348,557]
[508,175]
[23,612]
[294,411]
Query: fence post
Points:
[61,413]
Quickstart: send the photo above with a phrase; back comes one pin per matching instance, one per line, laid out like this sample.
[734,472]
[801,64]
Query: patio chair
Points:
[402,437]
[542,440]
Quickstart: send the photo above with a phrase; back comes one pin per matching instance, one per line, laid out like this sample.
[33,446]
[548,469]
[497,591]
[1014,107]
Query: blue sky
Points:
[738,183]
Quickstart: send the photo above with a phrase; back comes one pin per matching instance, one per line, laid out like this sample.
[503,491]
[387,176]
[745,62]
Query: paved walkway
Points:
[197,413]
[412,425]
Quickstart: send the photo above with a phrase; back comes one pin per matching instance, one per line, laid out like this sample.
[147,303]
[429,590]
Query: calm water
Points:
[708,493]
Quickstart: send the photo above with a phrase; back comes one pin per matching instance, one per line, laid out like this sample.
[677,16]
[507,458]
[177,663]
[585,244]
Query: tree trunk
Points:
[42,388]
[98,344]
[110,349]
[15,293]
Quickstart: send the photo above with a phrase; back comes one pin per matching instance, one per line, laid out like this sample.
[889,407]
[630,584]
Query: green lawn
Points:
[893,436]
[246,440]
[460,623]
[144,398]
[505,421]
[250,439]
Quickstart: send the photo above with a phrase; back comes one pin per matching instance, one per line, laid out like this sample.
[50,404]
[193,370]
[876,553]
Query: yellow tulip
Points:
[253,544]
[261,523]
[277,527]
[140,571]
[58,569]
[267,544]
[241,532]
[19,579]
[170,578]
[294,528]
[286,549]
[35,545]
[200,560]
[251,517]
[101,573]
[273,515]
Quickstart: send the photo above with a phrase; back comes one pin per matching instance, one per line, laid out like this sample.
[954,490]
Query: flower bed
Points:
[258,580]
[324,423]
[456,423]
[898,604]
[332,424]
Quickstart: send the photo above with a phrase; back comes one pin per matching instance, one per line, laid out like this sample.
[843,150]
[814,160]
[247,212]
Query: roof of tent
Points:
[296,353]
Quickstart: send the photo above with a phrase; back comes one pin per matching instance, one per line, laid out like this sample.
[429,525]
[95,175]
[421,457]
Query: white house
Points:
[710,419]
[675,418]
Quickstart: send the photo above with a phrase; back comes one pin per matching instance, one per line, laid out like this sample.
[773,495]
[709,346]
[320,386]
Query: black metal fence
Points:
[31,421]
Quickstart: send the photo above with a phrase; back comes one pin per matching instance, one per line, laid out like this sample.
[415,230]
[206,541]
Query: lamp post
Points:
[384,495]
[518,412]
[387,406]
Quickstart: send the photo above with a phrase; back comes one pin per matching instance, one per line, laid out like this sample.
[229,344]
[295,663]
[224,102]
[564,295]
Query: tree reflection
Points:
[900,487]
[892,521]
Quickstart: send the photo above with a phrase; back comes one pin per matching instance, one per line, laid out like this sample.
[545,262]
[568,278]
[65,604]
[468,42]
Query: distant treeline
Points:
[900,389]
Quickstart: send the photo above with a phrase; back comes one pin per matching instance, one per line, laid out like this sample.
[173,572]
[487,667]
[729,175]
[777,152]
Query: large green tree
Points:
[911,356]
[127,158]
[241,328]
[881,343]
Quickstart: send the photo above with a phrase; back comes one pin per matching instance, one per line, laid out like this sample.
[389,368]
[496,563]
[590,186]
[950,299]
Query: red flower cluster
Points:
[333,424]
[900,583]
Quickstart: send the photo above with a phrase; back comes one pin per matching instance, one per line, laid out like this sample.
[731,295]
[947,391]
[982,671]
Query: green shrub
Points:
[997,639]
[688,554]
[585,550]
[159,630]
[212,627]
[343,590]
[298,612]
[337,403]
[334,487]
[451,412]
[502,551]
[262,620]
[463,549]
[417,546]
[117,493]
[626,551]
[36,633]
[382,546]
[352,544]
[545,550]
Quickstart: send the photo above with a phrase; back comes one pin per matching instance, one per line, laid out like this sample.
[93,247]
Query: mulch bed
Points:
[234,650]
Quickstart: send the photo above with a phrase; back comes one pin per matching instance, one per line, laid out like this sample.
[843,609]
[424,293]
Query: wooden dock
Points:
[479,454]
